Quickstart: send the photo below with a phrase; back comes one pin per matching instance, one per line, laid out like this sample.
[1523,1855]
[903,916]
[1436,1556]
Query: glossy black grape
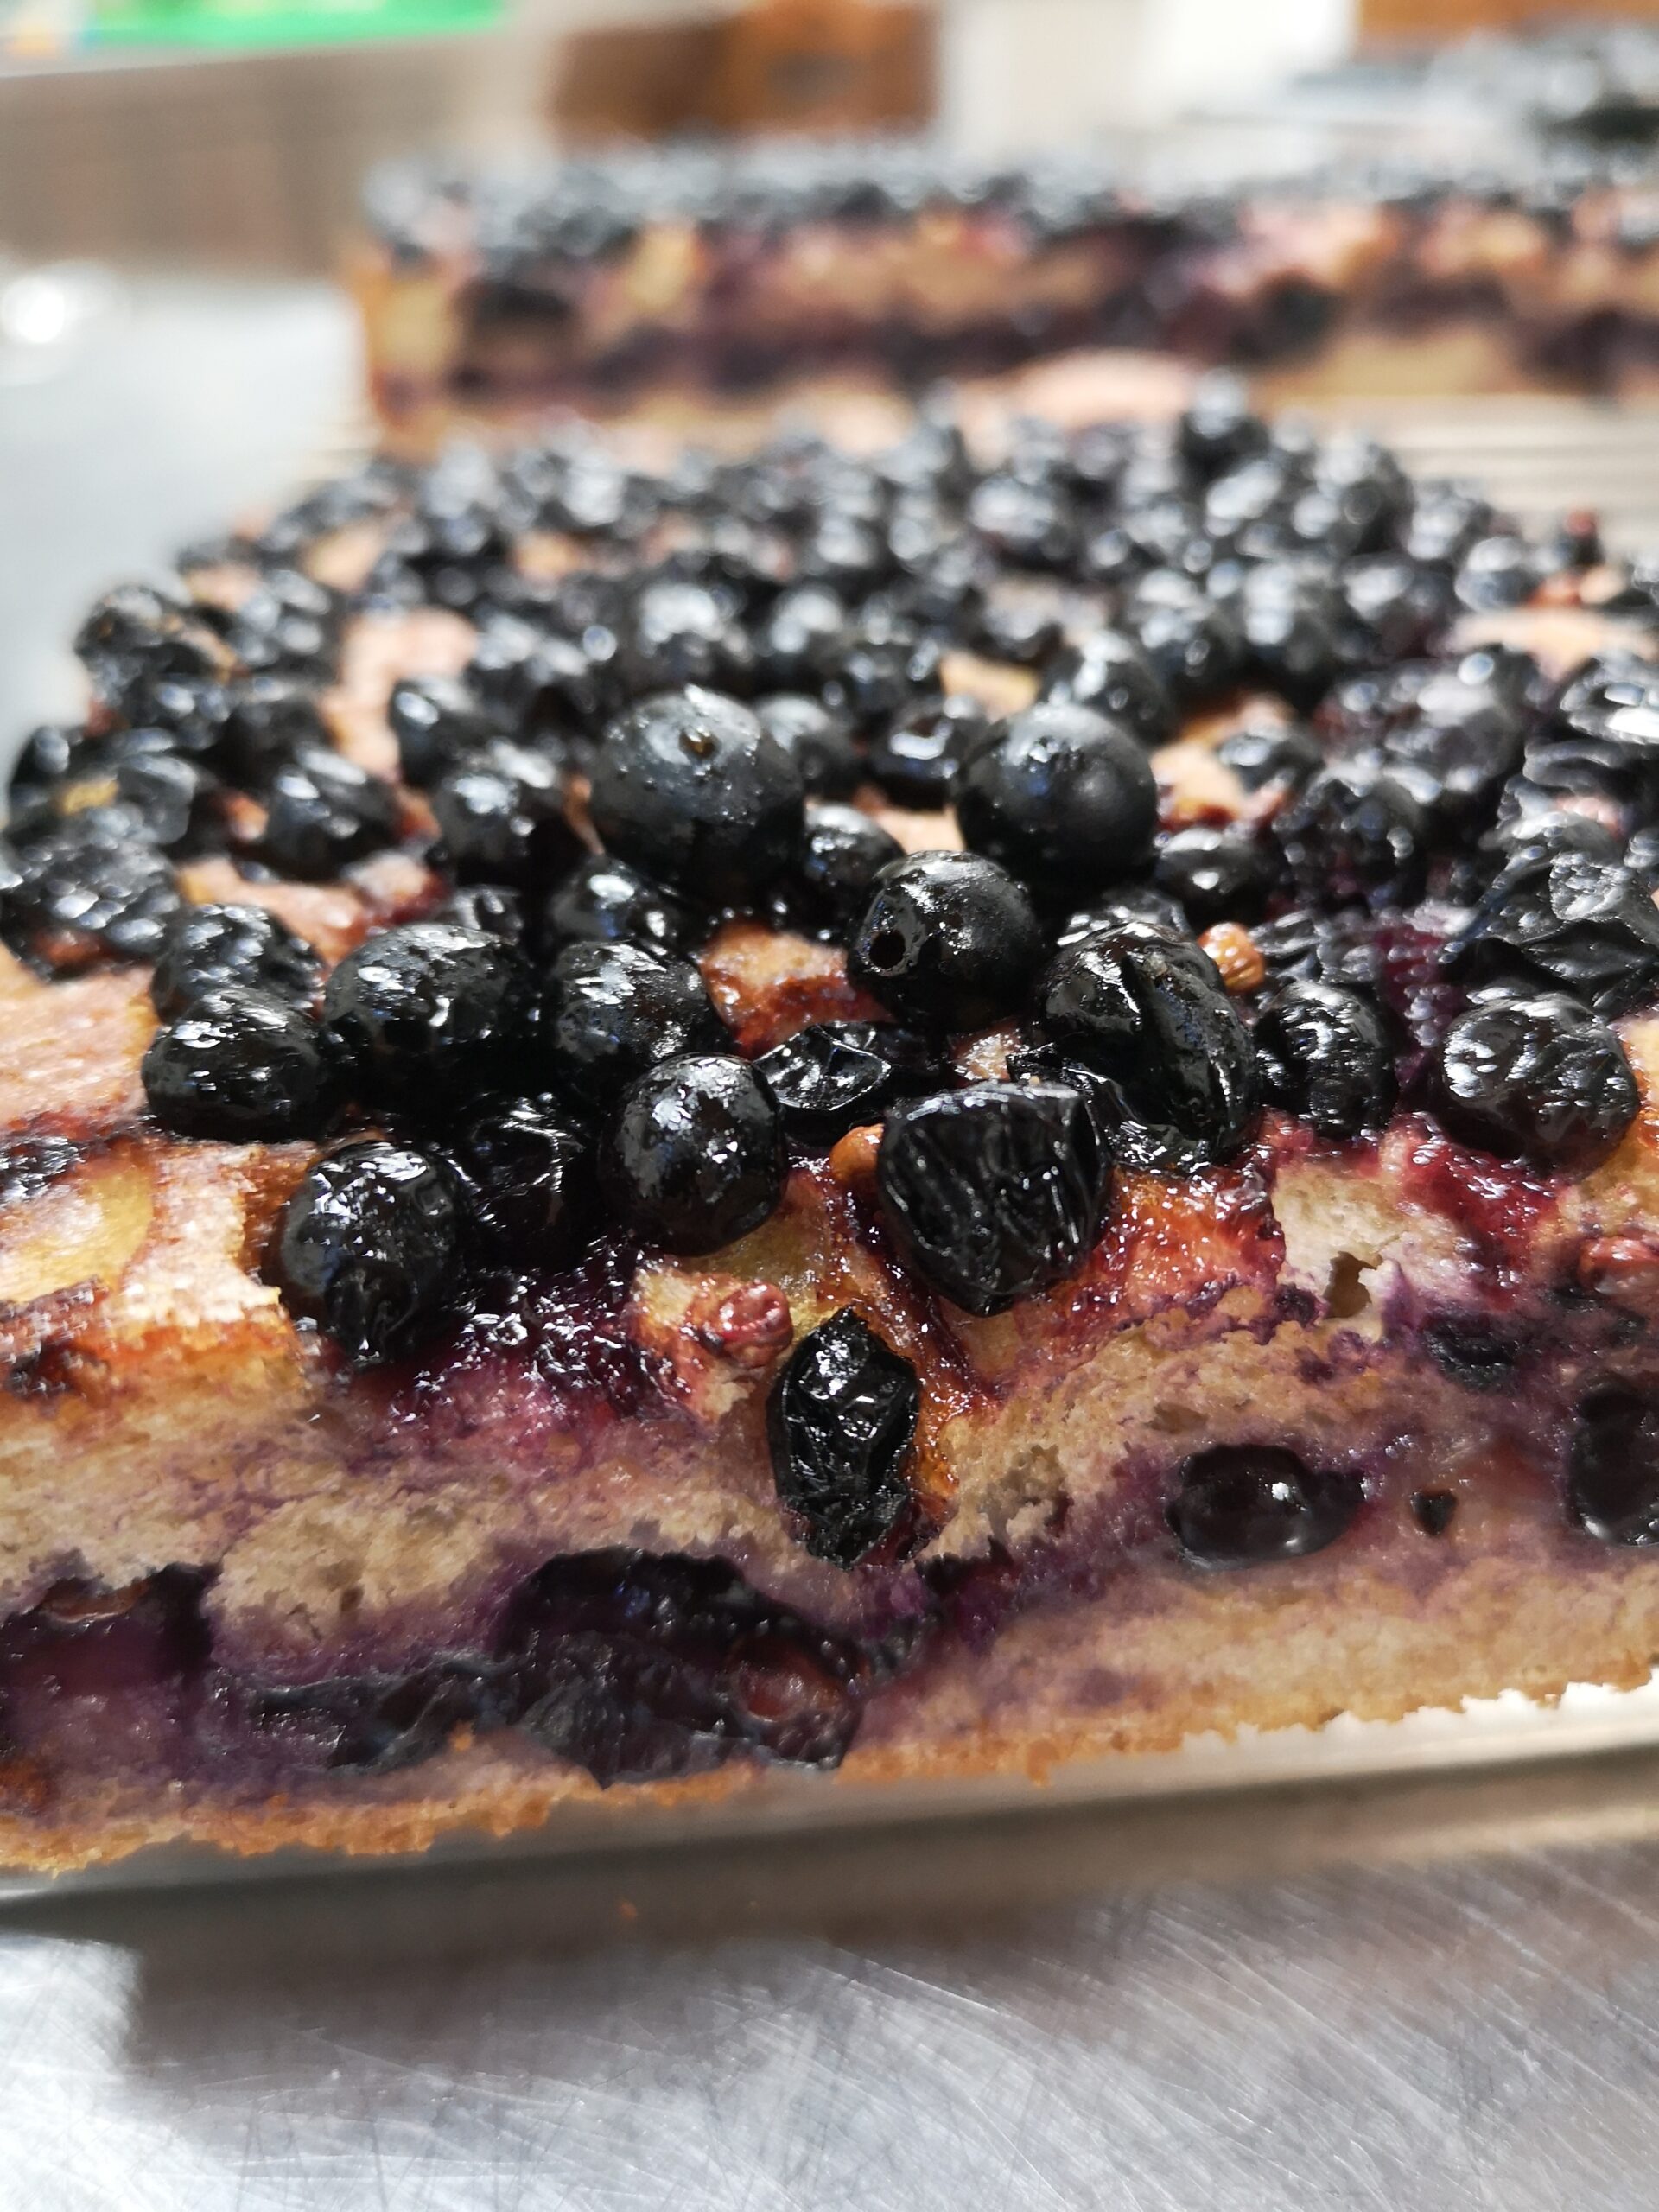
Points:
[844,550]
[883,665]
[87,892]
[948,941]
[487,906]
[1027,635]
[1247,510]
[1215,874]
[1548,835]
[1537,1079]
[1166,536]
[375,1724]
[923,538]
[610,1011]
[1031,525]
[289,626]
[799,640]
[323,813]
[1395,607]
[815,739]
[47,756]
[842,851]
[1217,430]
[681,632]
[502,817]
[1148,1013]
[529,1177]
[1304,945]
[605,901]
[430,1014]
[436,720]
[1444,521]
[1292,618]
[1356,832]
[640,1665]
[203,948]
[268,721]
[1618,783]
[370,1247]
[931,456]
[916,759]
[1061,797]
[1263,753]
[192,712]
[689,787]
[1325,1054]
[944,584]
[833,1076]
[695,1156]
[1132,902]
[1612,1483]
[1112,558]
[572,685]
[1249,1504]
[840,1421]
[242,1066]
[1109,672]
[1565,922]
[1457,764]
[1607,685]
[178,803]
[1499,571]
[1344,517]
[992,1192]
[1481,698]
[547,659]
[1197,645]
[136,638]
[499,671]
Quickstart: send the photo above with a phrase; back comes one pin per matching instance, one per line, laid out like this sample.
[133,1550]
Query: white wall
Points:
[1206,51]
[1015,73]
[1019,72]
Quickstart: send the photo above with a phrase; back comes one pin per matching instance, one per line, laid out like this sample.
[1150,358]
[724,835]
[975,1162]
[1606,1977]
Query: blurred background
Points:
[233,133]
[179,178]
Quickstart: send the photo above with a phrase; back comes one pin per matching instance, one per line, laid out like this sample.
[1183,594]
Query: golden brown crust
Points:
[861,413]
[73,1049]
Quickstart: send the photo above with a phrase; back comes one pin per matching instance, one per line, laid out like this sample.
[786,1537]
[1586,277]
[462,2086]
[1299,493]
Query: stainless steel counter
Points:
[1418,1997]
[1422,1994]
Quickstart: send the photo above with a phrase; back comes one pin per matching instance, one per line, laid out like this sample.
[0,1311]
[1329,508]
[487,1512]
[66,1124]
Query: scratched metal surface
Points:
[1417,1993]
[1425,1998]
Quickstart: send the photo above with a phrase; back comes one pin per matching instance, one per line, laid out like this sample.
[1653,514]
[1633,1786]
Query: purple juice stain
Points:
[110,1681]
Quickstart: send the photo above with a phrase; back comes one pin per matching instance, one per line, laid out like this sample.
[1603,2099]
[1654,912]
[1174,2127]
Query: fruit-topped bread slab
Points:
[714,281]
[921,1115]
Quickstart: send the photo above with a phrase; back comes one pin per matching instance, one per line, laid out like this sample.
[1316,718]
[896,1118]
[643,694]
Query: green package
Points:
[278,22]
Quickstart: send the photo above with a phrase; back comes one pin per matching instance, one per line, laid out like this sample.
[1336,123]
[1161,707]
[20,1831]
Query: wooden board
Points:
[1435,22]
[779,65]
